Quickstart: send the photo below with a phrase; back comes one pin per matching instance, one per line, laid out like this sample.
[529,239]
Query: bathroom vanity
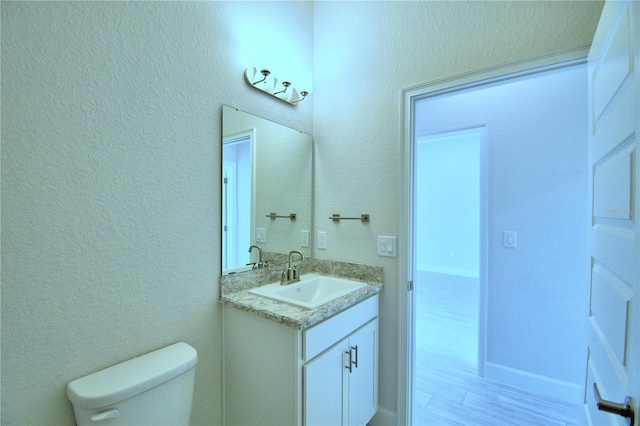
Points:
[288,365]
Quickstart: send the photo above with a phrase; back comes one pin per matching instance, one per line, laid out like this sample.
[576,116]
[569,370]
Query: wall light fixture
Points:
[291,90]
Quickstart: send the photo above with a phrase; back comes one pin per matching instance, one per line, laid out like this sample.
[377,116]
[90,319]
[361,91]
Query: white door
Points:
[614,241]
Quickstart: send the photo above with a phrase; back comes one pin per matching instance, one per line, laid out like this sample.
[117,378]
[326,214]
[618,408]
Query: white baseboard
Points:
[471,273]
[534,383]
[384,417]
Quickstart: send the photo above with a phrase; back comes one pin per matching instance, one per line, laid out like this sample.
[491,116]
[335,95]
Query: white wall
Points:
[365,54]
[111,133]
[537,130]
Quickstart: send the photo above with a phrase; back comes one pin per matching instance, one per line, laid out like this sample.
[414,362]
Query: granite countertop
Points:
[235,292]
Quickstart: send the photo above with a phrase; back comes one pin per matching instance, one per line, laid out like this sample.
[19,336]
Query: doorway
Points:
[447,287]
[537,161]
[447,211]
[236,199]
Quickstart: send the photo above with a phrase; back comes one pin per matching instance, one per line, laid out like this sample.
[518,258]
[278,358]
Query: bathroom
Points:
[111,137]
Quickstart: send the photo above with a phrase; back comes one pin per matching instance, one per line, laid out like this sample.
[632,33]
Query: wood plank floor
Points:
[448,390]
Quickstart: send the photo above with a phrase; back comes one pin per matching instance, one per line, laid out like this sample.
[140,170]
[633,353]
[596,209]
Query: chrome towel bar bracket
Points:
[337,218]
[291,216]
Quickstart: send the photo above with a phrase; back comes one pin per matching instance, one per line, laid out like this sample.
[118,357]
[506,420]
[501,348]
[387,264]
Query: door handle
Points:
[624,410]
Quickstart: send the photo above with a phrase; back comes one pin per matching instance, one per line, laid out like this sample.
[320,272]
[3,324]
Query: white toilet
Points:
[152,389]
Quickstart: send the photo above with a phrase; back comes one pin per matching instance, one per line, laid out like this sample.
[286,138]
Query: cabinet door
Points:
[363,379]
[324,395]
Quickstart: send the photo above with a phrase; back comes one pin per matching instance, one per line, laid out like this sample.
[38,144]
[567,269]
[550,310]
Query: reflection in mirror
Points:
[266,191]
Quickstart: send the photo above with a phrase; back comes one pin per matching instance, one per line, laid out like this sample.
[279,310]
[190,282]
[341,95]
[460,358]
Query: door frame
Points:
[406,246]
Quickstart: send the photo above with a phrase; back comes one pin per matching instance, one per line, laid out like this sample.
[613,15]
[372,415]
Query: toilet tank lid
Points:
[122,381]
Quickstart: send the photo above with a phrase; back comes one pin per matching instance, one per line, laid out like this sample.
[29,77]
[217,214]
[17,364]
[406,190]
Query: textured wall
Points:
[110,183]
[365,54]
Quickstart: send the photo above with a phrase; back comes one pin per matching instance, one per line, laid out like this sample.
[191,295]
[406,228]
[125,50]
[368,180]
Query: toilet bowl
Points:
[152,389]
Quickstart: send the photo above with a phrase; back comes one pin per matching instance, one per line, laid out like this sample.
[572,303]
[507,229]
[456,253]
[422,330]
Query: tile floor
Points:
[447,389]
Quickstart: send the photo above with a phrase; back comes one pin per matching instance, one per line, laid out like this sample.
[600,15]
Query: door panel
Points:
[614,241]
[610,310]
[323,387]
[615,66]
[363,379]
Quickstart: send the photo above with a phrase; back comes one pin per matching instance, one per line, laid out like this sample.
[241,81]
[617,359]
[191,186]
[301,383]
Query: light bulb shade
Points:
[260,77]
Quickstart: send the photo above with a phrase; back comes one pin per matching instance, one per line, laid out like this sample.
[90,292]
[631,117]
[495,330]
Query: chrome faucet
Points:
[260,263]
[291,274]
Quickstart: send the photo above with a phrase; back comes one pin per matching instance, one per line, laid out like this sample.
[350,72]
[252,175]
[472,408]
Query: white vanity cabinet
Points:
[340,386]
[327,374]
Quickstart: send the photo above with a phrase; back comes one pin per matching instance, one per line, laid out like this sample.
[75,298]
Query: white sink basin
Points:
[311,292]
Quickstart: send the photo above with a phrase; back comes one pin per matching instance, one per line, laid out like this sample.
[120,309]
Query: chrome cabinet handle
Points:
[356,349]
[348,366]
[624,410]
[351,363]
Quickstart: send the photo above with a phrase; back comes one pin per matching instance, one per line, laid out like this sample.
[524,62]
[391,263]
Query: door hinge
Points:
[410,285]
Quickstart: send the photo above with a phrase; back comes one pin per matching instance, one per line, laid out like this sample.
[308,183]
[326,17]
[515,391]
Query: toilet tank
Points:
[152,389]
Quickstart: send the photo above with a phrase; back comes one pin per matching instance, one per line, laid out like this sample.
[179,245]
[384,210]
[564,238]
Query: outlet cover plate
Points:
[322,240]
[261,235]
[304,238]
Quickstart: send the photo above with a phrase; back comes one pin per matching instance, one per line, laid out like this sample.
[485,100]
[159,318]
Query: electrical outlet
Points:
[261,235]
[304,238]
[322,240]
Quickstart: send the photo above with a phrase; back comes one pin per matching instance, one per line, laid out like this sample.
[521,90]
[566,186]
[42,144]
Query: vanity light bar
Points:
[263,79]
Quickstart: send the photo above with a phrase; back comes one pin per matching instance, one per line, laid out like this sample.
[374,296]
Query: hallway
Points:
[447,388]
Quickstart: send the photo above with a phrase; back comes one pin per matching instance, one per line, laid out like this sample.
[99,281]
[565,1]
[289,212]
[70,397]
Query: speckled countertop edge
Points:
[235,292]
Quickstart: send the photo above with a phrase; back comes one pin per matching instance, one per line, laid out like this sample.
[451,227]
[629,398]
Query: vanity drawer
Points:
[322,336]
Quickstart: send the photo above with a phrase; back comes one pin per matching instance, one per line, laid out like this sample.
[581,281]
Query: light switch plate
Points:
[261,235]
[304,238]
[387,246]
[510,239]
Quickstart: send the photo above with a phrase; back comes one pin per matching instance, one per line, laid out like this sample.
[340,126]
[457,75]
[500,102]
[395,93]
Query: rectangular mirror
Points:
[266,191]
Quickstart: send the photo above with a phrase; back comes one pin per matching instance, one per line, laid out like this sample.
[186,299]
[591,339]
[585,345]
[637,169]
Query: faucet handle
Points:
[296,273]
